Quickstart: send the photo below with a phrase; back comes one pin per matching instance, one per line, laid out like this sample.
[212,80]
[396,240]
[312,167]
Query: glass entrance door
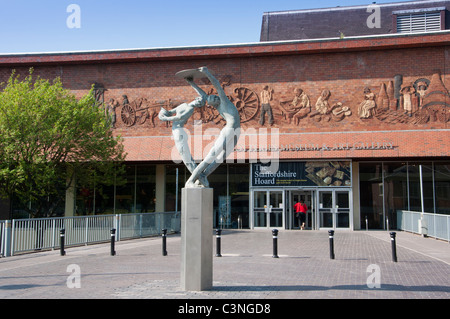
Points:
[308,197]
[276,209]
[342,209]
[326,209]
[334,209]
[268,208]
[260,208]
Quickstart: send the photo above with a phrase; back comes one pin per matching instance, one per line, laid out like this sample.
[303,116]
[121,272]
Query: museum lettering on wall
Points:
[321,147]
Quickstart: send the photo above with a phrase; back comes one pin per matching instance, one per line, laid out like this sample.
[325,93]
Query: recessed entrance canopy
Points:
[325,188]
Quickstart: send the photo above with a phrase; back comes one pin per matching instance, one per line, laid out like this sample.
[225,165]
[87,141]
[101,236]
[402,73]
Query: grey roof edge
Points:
[384,5]
[231,45]
[434,9]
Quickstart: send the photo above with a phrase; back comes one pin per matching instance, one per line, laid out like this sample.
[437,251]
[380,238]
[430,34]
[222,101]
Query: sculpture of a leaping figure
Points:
[228,137]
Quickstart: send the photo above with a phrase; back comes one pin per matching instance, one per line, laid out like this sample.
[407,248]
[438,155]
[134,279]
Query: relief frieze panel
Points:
[420,102]
[415,102]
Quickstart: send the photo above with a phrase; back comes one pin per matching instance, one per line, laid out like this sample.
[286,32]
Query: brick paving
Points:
[246,269]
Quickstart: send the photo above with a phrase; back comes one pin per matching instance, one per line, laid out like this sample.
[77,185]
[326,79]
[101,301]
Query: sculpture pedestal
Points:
[196,239]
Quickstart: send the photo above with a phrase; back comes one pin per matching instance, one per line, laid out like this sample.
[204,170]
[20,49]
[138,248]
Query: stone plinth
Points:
[196,239]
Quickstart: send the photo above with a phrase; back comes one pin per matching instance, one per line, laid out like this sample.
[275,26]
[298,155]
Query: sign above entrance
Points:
[335,174]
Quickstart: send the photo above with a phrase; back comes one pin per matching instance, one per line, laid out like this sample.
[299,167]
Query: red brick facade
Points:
[391,121]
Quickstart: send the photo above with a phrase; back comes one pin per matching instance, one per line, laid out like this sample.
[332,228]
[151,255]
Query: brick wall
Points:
[387,66]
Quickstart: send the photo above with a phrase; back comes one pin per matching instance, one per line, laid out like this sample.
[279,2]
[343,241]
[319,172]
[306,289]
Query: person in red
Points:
[301,209]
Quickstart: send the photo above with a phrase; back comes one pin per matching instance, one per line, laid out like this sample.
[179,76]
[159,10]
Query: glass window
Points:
[104,200]
[259,208]
[395,190]
[239,190]
[93,199]
[222,209]
[415,201]
[84,201]
[342,200]
[442,188]
[326,200]
[145,188]
[172,197]
[371,195]
[276,199]
[428,189]
[231,208]
[343,208]
[125,194]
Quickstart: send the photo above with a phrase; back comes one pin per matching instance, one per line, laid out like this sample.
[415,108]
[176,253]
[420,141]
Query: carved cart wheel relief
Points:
[128,115]
[247,103]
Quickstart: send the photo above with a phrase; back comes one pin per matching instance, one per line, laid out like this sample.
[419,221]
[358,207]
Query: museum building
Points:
[353,113]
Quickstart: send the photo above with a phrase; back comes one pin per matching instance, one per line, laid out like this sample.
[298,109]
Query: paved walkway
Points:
[362,268]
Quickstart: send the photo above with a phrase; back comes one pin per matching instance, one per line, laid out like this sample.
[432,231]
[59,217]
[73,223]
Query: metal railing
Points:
[2,239]
[433,225]
[27,235]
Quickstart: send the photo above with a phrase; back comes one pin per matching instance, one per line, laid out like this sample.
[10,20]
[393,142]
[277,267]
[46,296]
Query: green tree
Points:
[48,138]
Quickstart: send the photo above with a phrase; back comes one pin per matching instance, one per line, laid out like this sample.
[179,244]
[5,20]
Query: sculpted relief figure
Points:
[322,102]
[110,111]
[397,102]
[297,108]
[422,87]
[417,103]
[324,111]
[367,107]
[266,97]
[409,99]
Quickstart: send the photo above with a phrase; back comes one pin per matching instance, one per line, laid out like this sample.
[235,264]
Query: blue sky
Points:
[41,25]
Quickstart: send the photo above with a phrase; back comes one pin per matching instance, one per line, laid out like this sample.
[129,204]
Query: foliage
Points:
[46,137]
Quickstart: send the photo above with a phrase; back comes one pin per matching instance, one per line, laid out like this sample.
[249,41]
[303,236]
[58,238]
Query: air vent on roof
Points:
[419,22]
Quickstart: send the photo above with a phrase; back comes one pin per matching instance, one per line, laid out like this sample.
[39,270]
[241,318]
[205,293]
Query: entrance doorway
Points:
[268,208]
[327,208]
[308,198]
[334,209]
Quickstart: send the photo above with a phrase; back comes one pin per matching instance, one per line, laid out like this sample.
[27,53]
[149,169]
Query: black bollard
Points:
[394,248]
[164,242]
[113,239]
[275,243]
[218,238]
[62,234]
[331,236]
